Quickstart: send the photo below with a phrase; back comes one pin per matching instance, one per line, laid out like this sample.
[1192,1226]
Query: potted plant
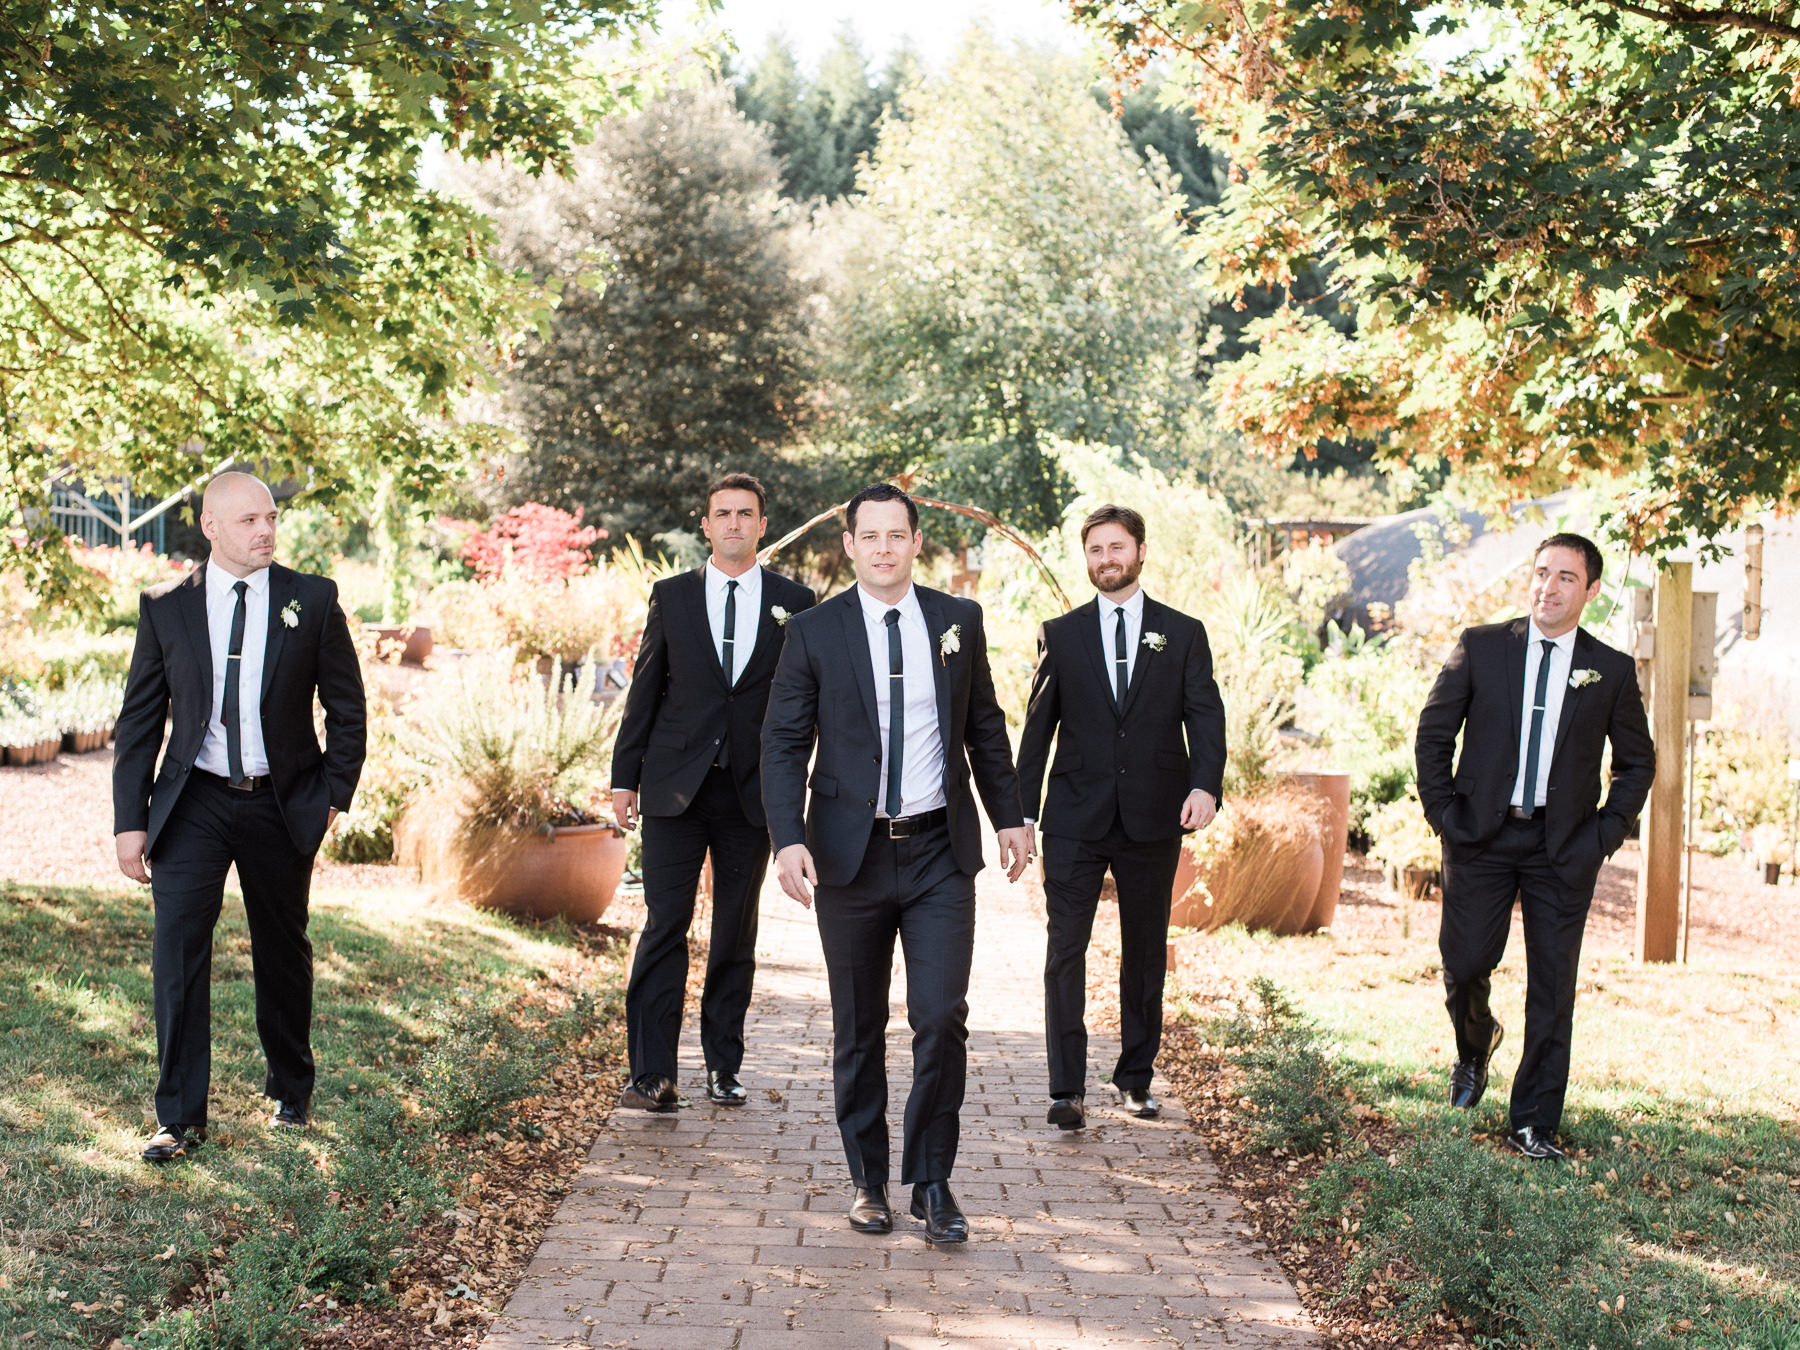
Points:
[515,767]
[1404,844]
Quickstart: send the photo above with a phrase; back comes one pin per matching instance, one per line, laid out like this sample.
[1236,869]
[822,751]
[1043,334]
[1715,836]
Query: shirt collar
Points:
[219,582]
[1133,607]
[1565,644]
[875,611]
[715,579]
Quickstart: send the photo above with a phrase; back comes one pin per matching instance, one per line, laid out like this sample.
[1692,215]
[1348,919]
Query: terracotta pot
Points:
[1771,873]
[573,871]
[1187,906]
[12,755]
[1275,896]
[1416,882]
[48,750]
[1334,788]
[414,643]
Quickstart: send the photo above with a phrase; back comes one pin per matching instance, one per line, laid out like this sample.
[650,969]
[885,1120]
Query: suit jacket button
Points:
[871,801]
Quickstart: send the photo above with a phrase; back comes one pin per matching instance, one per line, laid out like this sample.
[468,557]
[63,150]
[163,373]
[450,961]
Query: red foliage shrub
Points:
[534,541]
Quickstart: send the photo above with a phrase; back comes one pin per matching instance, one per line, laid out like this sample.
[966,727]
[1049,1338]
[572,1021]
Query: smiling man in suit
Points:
[688,760]
[1125,687]
[1536,700]
[235,654]
[890,681]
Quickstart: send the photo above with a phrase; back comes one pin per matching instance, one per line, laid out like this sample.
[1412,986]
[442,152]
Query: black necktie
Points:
[896,712]
[234,659]
[730,627]
[1119,666]
[1528,795]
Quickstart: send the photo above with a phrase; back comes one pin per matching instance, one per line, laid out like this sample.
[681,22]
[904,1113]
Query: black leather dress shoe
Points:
[1138,1102]
[1535,1142]
[1068,1113]
[723,1087]
[944,1221]
[869,1212]
[171,1142]
[1469,1079]
[650,1092]
[289,1116]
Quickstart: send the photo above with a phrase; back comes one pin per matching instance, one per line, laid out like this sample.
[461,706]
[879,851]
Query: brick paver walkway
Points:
[723,1228]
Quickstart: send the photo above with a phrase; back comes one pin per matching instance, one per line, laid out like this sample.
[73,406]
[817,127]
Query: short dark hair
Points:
[1114,515]
[737,482]
[1587,548]
[881,492]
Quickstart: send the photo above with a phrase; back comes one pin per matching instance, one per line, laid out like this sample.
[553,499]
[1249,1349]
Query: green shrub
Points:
[1295,1088]
[481,1060]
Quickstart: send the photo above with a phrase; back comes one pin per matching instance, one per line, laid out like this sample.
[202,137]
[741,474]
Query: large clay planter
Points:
[1187,906]
[414,643]
[1334,788]
[574,872]
[1267,876]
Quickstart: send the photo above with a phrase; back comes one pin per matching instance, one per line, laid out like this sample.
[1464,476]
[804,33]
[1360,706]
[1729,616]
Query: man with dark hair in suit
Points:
[1125,687]
[1536,700]
[891,682]
[235,653]
[688,759]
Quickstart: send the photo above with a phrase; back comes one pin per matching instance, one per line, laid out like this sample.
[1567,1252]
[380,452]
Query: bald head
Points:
[237,515]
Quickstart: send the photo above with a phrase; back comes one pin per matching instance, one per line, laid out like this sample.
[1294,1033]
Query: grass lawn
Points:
[93,1242]
[1681,1210]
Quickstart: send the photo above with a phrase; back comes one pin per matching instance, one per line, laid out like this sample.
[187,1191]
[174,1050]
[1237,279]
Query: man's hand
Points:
[625,808]
[1017,847]
[794,869]
[331,818]
[1198,810]
[130,846]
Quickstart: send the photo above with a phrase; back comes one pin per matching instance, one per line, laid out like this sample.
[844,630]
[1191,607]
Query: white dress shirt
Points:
[1134,633]
[922,751]
[221,602]
[1562,656]
[748,615]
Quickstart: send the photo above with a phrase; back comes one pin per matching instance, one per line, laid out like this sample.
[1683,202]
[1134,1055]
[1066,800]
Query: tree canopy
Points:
[215,243]
[1567,233]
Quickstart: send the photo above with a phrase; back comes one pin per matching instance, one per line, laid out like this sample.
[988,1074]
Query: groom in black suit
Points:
[891,840]
[688,759]
[1536,700]
[235,653]
[1125,686]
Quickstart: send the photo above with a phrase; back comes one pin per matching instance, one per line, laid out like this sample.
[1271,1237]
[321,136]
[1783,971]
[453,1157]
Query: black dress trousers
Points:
[911,889]
[1144,872]
[675,849]
[213,826]
[1479,889]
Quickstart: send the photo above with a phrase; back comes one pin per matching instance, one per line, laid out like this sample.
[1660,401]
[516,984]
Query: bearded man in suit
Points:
[231,658]
[1537,700]
[688,760]
[1124,686]
[890,841]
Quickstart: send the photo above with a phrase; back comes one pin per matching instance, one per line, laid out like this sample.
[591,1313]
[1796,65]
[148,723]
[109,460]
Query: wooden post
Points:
[1659,871]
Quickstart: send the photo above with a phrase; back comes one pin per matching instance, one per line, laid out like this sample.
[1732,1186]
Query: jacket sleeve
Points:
[1633,762]
[788,730]
[649,676]
[1203,717]
[1434,744]
[985,739]
[1043,714]
[139,733]
[346,709]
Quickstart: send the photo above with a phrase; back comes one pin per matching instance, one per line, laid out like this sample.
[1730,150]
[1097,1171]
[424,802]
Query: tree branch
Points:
[1675,13]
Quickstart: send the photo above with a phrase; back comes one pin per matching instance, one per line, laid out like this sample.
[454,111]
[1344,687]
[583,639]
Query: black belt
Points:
[1520,813]
[905,827]
[251,783]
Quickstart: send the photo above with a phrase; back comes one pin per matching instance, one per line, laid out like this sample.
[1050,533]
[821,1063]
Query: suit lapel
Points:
[696,598]
[1087,620]
[1515,672]
[1140,668]
[1578,654]
[192,599]
[765,640]
[862,666]
[937,623]
[282,585]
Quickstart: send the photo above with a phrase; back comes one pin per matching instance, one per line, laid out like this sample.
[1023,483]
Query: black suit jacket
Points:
[679,710]
[1136,764]
[171,676]
[1481,693]
[825,690]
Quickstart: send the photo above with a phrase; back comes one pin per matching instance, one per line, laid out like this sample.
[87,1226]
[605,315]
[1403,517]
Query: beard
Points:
[1128,573]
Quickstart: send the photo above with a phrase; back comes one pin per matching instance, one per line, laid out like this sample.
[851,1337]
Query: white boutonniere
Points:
[950,640]
[290,614]
[1155,641]
[1586,675]
[781,615]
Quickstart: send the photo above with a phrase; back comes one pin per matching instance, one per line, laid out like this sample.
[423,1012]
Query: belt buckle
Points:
[248,785]
[905,830]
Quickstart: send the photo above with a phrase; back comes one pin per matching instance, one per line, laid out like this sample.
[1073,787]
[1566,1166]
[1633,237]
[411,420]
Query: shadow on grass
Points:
[92,1241]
